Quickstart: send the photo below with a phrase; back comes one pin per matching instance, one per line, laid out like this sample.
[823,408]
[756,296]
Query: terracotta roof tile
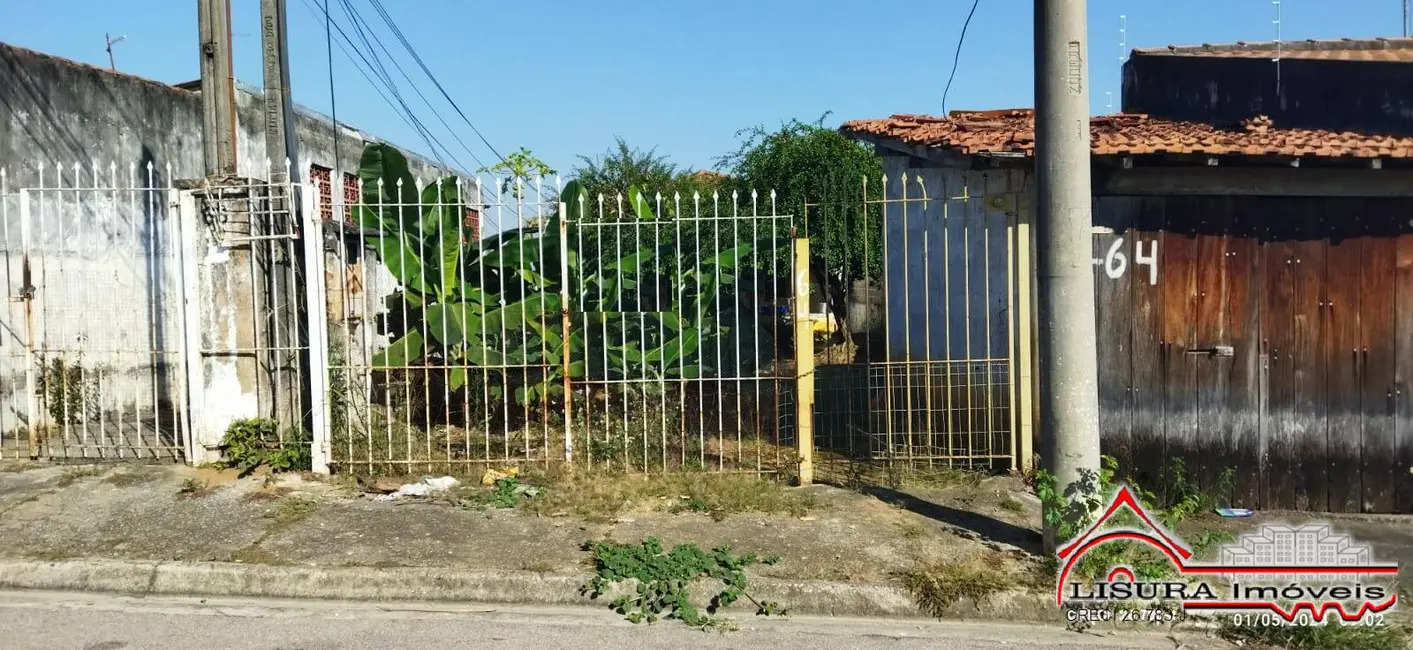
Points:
[1013,131]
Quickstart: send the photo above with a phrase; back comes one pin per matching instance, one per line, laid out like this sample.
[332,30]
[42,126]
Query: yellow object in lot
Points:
[822,324]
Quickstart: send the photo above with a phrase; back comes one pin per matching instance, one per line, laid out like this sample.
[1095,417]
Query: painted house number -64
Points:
[1115,263]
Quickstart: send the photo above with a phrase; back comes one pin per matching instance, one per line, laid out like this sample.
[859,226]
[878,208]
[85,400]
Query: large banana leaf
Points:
[398,254]
[442,225]
[402,352]
[389,191]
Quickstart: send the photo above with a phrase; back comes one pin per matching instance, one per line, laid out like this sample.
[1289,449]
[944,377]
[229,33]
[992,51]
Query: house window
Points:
[323,182]
[352,194]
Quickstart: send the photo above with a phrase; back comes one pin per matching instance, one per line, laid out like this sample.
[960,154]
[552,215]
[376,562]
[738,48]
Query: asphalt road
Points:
[81,621]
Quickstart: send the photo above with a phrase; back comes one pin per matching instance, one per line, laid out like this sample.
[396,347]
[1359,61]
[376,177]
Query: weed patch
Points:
[664,578]
[1330,636]
[506,492]
[193,489]
[292,510]
[129,479]
[255,442]
[602,496]
[1183,498]
[75,475]
[937,587]
[1012,504]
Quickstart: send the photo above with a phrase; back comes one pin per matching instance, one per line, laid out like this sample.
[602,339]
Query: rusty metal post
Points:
[804,363]
[566,352]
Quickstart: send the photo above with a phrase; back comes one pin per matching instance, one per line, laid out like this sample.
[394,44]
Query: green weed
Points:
[664,578]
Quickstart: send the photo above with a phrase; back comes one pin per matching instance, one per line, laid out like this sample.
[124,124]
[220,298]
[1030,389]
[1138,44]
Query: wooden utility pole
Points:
[279,105]
[1069,382]
[217,87]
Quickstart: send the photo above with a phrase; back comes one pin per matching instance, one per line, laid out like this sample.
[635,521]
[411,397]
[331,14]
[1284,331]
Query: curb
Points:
[805,597]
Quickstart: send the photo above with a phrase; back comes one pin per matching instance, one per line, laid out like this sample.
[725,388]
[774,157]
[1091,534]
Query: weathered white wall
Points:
[103,249]
[945,262]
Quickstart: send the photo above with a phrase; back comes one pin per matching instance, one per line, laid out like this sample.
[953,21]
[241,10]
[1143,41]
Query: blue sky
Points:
[564,77]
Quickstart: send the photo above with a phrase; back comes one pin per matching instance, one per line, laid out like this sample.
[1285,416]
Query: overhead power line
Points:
[364,30]
[378,6]
[957,56]
[369,71]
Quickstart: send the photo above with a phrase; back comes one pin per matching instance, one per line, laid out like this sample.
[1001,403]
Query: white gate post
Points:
[315,293]
[189,246]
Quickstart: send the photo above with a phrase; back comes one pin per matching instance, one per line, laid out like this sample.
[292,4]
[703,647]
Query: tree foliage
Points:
[818,175]
[519,165]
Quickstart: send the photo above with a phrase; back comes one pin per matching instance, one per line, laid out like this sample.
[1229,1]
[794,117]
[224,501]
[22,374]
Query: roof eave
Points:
[935,156]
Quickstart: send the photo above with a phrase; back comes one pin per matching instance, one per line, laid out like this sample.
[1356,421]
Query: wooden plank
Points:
[1403,368]
[1147,425]
[1340,337]
[1242,425]
[1378,358]
[1309,427]
[1213,443]
[1177,282]
[1113,297]
[1277,336]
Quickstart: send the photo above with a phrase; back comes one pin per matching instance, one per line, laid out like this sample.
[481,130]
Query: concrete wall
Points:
[102,238]
[945,263]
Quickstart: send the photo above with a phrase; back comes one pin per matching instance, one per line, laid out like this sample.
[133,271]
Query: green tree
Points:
[622,167]
[818,175]
[521,165]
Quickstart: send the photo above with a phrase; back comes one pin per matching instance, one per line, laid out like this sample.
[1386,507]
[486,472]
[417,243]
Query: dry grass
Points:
[130,478]
[14,466]
[602,496]
[77,474]
[1330,636]
[194,489]
[292,510]
[937,587]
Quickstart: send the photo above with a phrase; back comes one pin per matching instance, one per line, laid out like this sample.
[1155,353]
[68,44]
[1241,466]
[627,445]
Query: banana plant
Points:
[484,303]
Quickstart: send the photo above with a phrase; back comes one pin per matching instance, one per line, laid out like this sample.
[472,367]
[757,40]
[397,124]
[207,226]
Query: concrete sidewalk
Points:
[183,531]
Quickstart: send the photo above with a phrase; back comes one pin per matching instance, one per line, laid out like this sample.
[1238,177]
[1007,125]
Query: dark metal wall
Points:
[1364,96]
[1313,408]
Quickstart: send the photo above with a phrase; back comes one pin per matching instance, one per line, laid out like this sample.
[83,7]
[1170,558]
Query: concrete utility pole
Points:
[1069,387]
[279,106]
[217,87]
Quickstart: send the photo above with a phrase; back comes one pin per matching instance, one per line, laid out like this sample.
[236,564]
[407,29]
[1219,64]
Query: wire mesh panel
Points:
[914,289]
[92,336]
[680,333]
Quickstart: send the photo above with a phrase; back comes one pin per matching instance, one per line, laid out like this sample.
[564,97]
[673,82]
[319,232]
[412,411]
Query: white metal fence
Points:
[92,334]
[617,331]
[447,326]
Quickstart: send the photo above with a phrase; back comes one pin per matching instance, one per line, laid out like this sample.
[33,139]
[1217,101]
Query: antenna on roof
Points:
[1277,60]
[1123,38]
[1109,103]
[110,42]
[1123,56]
[1405,18]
